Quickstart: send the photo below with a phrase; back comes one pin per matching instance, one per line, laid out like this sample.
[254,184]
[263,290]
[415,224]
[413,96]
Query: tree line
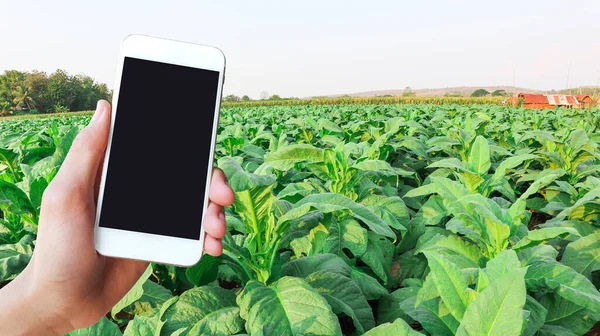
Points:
[38,92]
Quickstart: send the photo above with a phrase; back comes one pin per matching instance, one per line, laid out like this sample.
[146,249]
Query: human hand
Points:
[68,285]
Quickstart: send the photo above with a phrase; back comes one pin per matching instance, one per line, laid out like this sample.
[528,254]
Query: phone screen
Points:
[161,144]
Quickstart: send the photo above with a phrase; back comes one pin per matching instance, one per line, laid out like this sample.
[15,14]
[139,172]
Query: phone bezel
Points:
[144,246]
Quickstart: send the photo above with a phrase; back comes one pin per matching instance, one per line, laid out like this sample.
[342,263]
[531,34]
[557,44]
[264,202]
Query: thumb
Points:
[81,164]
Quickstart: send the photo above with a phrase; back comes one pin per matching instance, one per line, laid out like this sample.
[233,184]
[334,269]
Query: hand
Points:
[68,285]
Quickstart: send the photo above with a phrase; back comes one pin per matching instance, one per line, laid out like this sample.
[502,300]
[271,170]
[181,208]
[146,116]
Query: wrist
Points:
[26,313]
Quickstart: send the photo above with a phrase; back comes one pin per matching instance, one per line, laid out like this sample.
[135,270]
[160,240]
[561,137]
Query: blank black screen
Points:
[160,149]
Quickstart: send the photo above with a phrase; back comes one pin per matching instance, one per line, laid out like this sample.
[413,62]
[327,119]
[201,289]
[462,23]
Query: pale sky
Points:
[306,48]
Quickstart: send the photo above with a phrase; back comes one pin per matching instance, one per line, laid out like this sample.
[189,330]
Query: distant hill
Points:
[459,90]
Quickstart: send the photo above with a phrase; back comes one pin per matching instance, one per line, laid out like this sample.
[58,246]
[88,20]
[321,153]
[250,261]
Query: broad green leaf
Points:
[389,307]
[381,167]
[134,293]
[378,256]
[428,291]
[14,258]
[399,327]
[48,166]
[13,199]
[555,330]
[455,249]
[346,234]
[311,244]
[389,208]
[498,310]
[241,180]
[205,271]
[327,203]
[285,158]
[213,309]
[565,281]
[541,236]
[370,287]
[142,325]
[433,315]
[537,316]
[289,306]
[511,163]
[303,267]
[103,327]
[583,255]
[479,157]
[450,284]
[568,315]
[540,253]
[503,263]
[448,163]
[344,296]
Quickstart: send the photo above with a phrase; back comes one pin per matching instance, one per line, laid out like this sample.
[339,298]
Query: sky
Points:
[311,48]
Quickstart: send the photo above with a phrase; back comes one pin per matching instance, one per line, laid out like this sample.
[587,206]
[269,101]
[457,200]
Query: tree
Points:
[480,93]
[264,95]
[22,97]
[231,98]
[499,93]
[409,94]
[37,83]
[245,98]
[61,91]
[275,97]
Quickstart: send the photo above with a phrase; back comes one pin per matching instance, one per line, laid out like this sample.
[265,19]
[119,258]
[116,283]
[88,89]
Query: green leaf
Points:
[537,316]
[289,306]
[565,281]
[48,166]
[36,190]
[450,284]
[502,264]
[210,309]
[399,327]
[142,325]
[327,203]
[14,258]
[389,208]
[510,163]
[541,236]
[554,330]
[455,249]
[303,267]
[143,297]
[433,315]
[241,180]
[583,255]
[104,327]
[369,286]
[568,315]
[381,167]
[346,234]
[498,310]
[205,271]
[286,157]
[390,307]
[378,256]
[134,293]
[14,200]
[479,157]
[540,253]
[344,296]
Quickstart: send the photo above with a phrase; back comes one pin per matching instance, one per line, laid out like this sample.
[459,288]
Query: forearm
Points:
[20,311]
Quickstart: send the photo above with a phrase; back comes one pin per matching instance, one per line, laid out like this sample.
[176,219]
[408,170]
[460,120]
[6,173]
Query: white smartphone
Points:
[157,168]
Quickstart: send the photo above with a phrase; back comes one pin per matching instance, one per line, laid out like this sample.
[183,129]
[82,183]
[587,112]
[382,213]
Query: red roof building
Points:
[540,101]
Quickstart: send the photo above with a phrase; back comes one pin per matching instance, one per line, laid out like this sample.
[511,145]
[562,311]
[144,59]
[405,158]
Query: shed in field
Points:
[541,101]
[585,101]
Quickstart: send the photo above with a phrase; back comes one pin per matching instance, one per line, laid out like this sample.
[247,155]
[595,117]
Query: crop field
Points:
[362,219]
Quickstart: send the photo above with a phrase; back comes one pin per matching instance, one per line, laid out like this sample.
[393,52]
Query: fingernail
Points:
[99,111]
